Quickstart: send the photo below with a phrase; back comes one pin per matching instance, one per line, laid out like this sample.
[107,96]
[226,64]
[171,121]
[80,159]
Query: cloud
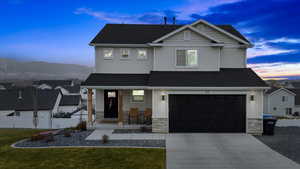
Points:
[264,48]
[278,69]
[285,40]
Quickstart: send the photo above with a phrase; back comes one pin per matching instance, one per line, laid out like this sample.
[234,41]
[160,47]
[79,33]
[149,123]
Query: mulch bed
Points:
[285,141]
[78,139]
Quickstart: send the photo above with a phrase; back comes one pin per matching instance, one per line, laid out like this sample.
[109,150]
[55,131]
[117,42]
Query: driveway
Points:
[222,151]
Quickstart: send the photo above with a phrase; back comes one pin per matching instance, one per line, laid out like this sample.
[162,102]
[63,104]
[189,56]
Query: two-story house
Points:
[193,77]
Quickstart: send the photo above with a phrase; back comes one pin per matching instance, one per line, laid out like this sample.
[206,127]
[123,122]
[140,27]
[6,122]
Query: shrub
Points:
[49,138]
[296,114]
[67,133]
[105,139]
[81,126]
[37,137]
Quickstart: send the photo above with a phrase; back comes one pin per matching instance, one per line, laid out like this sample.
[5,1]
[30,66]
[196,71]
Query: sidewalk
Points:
[97,135]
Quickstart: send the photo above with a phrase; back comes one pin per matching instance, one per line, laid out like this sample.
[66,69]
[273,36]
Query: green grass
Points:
[74,158]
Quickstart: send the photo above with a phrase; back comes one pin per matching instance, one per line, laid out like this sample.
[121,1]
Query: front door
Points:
[110,103]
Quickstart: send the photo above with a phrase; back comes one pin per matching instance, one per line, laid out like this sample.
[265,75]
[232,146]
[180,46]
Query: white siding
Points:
[67,109]
[233,57]
[165,59]
[118,65]
[275,101]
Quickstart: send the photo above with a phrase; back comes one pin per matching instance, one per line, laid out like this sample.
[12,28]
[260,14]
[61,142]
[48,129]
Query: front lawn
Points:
[74,158]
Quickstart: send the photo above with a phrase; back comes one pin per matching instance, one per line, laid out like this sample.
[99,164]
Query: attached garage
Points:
[207,113]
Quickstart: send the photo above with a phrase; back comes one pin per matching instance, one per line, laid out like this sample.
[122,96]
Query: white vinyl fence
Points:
[288,123]
[42,123]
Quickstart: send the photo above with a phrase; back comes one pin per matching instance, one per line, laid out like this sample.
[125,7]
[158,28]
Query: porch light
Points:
[163,97]
[251,97]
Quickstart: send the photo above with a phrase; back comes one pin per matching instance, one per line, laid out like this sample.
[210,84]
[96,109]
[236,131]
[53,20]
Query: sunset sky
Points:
[60,30]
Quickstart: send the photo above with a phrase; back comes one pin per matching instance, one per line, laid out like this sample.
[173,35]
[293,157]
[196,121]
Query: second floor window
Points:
[186,57]
[124,53]
[283,99]
[108,53]
[142,55]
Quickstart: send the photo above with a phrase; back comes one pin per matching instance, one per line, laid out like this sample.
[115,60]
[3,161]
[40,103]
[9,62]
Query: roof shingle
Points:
[142,33]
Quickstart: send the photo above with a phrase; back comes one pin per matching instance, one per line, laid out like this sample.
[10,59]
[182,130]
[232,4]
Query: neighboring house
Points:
[6,86]
[295,85]
[69,90]
[297,100]
[52,84]
[193,77]
[8,99]
[69,103]
[45,102]
[279,102]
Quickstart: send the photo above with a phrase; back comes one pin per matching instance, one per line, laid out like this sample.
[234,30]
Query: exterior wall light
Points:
[251,97]
[163,97]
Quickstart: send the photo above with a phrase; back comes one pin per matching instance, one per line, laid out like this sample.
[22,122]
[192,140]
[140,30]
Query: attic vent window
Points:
[125,53]
[187,35]
[142,54]
[108,53]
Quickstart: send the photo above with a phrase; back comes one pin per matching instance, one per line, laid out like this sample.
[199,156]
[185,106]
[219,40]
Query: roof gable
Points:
[233,33]
[276,90]
[185,28]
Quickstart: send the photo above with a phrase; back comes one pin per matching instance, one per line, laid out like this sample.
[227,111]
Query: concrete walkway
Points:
[97,135]
[222,151]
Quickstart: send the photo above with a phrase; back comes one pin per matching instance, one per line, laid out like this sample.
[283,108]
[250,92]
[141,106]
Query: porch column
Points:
[90,107]
[120,108]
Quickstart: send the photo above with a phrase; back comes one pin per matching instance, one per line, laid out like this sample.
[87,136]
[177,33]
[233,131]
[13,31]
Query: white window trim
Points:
[132,100]
[142,58]
[186,67]
[112,54]
[121,54]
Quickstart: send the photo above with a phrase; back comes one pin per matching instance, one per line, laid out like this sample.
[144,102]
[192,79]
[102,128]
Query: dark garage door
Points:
[207,113]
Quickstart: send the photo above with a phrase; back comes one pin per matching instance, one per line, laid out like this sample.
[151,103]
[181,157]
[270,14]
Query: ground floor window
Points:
[288,111]
[138,95]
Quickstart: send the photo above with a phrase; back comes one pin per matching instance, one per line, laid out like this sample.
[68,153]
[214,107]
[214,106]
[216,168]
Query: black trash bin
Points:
[269,125]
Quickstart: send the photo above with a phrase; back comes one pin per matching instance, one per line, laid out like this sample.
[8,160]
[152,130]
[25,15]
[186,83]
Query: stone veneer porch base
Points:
[254,126]
[160,125]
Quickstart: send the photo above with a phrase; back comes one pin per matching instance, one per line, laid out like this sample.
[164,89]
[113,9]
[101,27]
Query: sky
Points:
[60,30]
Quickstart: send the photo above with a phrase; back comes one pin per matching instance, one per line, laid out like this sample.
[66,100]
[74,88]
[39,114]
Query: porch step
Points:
[110,120]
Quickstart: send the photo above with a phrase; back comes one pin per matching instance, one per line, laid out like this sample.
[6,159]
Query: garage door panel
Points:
[207,113]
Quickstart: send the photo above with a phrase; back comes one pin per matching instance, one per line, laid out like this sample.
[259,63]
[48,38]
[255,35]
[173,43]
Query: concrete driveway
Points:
[222,151]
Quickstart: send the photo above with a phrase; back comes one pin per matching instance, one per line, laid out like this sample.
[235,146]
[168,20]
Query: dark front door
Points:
[110,103]
[207,113]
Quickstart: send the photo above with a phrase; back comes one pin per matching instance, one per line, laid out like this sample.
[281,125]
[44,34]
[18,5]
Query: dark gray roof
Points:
[70,100]
[142,33]
[106,79]
[8,99]
[226,77]
[7,85]
[273,89]
[297,97]
[296,84]
[45,99]
[54,83]
[73,89]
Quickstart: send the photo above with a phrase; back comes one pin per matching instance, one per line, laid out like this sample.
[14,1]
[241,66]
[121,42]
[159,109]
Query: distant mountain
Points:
[18,70]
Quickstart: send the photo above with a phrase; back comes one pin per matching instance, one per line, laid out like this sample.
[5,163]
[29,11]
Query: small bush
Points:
[49,138]
[105,139]
[37,137]
[81,126]
[67,133]
[296,114]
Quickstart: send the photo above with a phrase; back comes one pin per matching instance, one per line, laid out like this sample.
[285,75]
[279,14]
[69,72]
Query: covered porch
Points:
[123,106]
